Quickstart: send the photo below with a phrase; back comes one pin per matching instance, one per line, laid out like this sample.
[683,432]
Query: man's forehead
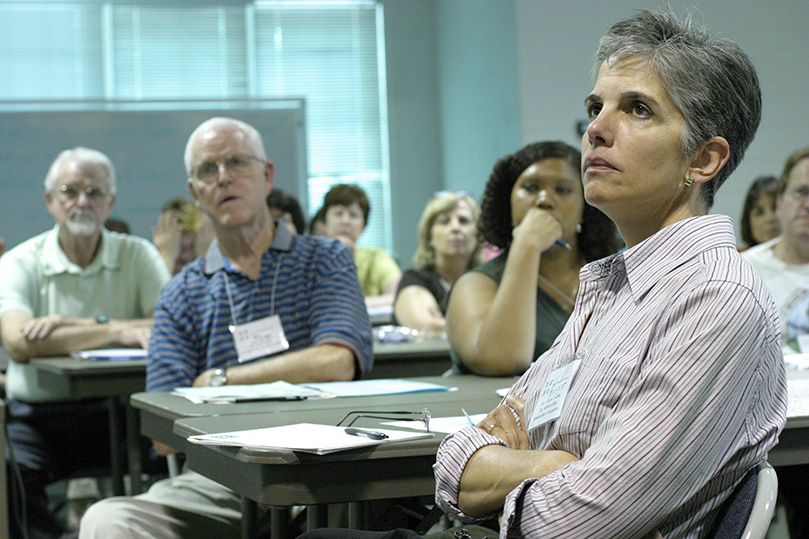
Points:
[220,139]
[74,171]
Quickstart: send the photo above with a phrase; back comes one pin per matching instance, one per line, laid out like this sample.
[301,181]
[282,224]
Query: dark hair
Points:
[318,217]
[345,194]
[711,81]
[117,225]
[760,186]
[288,204]
[598,237]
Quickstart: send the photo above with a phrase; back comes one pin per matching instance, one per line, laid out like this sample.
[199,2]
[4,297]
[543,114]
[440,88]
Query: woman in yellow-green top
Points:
[346,210]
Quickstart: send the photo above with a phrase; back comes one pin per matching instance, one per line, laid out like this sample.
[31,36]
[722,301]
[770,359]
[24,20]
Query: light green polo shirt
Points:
[122,282]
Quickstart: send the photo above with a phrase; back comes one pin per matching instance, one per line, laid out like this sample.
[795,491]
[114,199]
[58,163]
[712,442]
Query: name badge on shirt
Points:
[552,397]
[259,338]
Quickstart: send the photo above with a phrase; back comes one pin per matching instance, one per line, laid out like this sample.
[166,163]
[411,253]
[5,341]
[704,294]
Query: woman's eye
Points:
[530,187]
[641,110]
[564,190]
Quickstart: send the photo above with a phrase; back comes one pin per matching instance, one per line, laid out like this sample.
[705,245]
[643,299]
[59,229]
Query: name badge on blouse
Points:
[554,391]
[259,338]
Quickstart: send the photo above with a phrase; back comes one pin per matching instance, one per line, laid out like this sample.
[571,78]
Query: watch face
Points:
[218,378]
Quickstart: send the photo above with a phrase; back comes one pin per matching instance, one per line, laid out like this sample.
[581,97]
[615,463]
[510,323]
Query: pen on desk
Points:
[372,434]
[468,418]
[564,244]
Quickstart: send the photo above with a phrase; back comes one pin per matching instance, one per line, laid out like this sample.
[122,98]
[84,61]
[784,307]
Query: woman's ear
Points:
[709,159]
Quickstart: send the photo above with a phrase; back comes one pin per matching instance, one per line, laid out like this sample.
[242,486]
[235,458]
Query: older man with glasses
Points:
[783,262]
[262,305]
[76,286]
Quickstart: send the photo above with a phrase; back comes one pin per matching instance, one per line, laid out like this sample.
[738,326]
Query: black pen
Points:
[372,434]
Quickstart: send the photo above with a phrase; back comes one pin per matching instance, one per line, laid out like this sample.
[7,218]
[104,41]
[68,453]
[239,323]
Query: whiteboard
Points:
[144,140]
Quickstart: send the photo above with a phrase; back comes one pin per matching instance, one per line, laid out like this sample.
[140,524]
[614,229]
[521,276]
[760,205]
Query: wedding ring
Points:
[491,428]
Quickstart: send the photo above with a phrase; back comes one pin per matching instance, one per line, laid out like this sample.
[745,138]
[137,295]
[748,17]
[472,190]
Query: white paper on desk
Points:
[446,425]
[797,361]
[367,388]
[110,354]
[305,437]
[279,390]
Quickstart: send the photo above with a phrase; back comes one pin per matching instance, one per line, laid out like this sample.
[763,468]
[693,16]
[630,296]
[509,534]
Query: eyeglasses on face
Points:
[72,192]
[237,165]
[799,194]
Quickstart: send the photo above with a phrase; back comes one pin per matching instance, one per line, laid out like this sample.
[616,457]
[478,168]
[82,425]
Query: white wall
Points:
[556,42]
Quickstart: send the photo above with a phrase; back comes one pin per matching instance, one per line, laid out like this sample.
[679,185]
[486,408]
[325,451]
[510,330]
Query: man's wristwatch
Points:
[218,378]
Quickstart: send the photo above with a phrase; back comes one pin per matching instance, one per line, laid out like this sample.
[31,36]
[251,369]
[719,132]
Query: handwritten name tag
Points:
[552,397]
[259,338]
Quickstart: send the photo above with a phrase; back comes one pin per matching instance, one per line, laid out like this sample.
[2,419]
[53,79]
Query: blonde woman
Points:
[448,246]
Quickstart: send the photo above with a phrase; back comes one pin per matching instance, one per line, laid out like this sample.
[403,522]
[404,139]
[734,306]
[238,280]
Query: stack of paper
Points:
[304,437]
[367,388]
[110,354]
[279,390]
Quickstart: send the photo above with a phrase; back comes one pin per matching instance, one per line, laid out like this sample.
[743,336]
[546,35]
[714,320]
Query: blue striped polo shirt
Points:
[316,294]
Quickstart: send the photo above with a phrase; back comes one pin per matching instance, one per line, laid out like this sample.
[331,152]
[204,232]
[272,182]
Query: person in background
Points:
[506,312]
[287,209]
[317,226]
[448,246]
[299,293]
[783,263]
[346,209]
[182,233]
[117,225]
[75,287]
[667,384]
[759,221]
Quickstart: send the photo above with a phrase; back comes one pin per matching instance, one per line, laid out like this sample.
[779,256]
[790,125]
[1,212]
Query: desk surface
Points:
[283,478]
[159,410]
[73,378]
[81,378]
[403,469]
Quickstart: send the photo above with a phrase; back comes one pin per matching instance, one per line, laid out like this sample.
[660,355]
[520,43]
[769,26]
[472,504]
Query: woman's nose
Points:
[544,199]
[598,132]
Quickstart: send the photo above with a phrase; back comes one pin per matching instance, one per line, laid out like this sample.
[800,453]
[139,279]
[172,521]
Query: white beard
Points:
[81,223]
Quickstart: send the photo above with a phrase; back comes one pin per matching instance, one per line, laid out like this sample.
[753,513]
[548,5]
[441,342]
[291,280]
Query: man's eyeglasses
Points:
[237,165]
[801,194]
[71,192]
[423,416]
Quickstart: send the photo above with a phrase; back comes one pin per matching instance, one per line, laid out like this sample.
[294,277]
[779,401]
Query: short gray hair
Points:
[710,80]
[213,124]
[84,156]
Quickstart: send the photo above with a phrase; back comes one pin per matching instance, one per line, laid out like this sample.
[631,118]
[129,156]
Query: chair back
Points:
[749,510]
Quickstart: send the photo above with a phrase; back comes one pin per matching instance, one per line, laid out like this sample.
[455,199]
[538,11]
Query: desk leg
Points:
[279,522]
[249,517]
[116,420]
[358,515]
[133,449]
[317,516]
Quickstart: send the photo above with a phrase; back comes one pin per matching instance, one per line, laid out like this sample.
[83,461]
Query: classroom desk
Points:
[793,443]
[424,357]
[72,379]
[286,478]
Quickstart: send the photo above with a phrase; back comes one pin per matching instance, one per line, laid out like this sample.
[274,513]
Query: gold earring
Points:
[688,181]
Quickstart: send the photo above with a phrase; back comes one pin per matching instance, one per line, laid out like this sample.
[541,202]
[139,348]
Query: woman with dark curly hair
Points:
[534,209]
